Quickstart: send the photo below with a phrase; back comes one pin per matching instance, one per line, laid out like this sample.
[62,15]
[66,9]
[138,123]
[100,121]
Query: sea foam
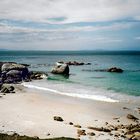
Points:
[77,95]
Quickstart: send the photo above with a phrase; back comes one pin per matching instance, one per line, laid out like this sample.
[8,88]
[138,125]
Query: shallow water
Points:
[85,77]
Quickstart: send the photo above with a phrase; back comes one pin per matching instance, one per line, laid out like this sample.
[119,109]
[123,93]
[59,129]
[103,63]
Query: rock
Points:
[126,108]
[91,134]
[48,134]
[77,125]
[60,68]
[99,129]
[116,118]
[15,75]
[116,134]
[1,85]
[36,137]
[132,117]
[11,81]
[115,69]
[106,123]
[11,88]
[12,66]
[88,64]
[7,89]
[18,137]
[81,132]
[57,118]
[75,63]
[13,72]
[70,123]
[35,75]
[137,136]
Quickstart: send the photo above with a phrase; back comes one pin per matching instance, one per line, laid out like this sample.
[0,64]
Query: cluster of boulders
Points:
[63,68]
[13,73]
[75,63]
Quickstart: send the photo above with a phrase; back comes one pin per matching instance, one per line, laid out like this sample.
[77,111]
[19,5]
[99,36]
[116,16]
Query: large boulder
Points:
[61,68]
[15,75]
[115,69]
[12,66]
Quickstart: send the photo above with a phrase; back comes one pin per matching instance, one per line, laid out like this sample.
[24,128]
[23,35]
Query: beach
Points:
[30,112]
[87,97]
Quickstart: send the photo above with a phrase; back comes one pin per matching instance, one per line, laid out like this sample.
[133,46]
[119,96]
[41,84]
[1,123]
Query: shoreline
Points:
[30,112]
[81,92]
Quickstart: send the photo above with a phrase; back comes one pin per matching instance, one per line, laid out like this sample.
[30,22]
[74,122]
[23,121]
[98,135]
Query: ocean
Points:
[85,81]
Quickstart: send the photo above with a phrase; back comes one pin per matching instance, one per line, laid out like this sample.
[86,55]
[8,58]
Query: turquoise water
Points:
[127,83]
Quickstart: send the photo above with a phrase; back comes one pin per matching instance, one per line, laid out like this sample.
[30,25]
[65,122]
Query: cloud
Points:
[5,28]
[69,23]
[69,11]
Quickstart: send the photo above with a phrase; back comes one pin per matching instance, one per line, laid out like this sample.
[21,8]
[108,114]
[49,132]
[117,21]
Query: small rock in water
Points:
[57,118]
[115,69]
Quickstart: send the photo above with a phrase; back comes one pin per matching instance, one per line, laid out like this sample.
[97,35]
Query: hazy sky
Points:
[70,24]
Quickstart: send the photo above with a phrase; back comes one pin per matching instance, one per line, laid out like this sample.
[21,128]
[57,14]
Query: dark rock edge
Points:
[18,137]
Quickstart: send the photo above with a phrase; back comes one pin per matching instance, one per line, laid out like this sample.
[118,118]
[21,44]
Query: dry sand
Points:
[30,112]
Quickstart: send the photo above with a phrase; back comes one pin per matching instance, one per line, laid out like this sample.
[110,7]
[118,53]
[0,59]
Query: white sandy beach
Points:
[30,112]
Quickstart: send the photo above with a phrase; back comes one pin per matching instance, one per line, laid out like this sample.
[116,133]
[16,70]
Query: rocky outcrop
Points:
[60,68]
[16,136]
[75,63]
[115,69]
[11,72]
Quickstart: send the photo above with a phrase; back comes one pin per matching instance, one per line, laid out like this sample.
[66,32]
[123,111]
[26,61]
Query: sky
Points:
[70,24]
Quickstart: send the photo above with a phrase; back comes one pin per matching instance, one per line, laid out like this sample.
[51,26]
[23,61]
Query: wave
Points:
[77,95]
